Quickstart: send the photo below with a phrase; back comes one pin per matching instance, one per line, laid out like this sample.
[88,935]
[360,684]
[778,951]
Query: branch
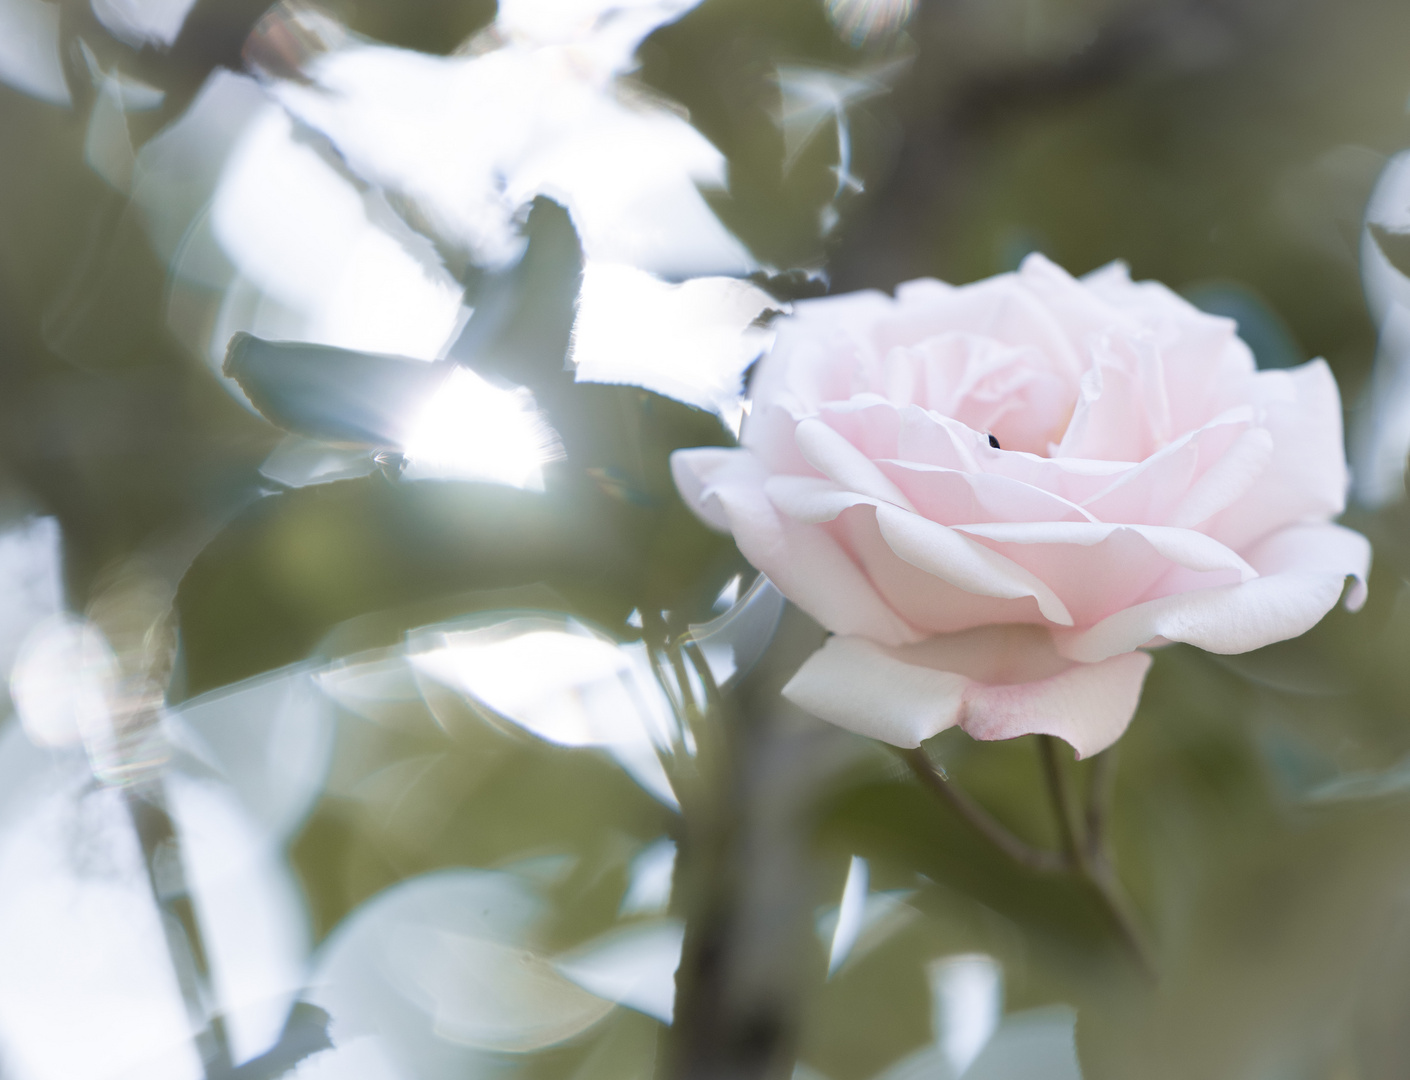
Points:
[1036,859]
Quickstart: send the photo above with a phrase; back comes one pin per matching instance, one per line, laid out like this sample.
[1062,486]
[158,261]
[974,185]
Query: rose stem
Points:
[1088,856]
[1101,777]
[986,824]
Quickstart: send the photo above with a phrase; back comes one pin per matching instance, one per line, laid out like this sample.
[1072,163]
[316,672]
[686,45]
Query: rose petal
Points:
[1304,570]
[840,461]
[997,682]
[858,685]
[1306,478]
[1184,547]
[956,558]
[956,497]
[725,488]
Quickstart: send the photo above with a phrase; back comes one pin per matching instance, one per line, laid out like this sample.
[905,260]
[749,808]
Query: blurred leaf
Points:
[338,395]
[298,563]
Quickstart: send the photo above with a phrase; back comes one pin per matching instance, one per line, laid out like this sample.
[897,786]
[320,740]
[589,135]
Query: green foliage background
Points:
[1262,803]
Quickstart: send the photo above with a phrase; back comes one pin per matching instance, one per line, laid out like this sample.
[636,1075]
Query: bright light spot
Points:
[650,877]
[328,265]
[564,685]
[691,341]
[634,966]
[849,913]
[31,586]
[29,50]
[143,22]
[467,141]
[474,430]
[64,683]
[966,996]
[728,595]
[87,990]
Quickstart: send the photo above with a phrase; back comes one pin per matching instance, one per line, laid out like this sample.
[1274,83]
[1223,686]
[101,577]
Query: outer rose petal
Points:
[725,489]
[996,682]
[1304,570]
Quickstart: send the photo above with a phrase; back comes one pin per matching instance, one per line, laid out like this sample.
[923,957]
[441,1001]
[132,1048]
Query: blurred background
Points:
[338,719]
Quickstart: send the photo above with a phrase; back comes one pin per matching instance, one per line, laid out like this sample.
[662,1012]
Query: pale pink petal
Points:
[997,682]
[1304,570]
[926,602]
[807,565]
[971,566]
[957,497]
[1095,581]
[840,461]
[1150,491]
[1226,481]
[858,685]
[1184,547]
[1088,706]
[1306,478]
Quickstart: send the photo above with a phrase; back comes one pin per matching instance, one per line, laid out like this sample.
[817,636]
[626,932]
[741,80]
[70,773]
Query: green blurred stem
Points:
[1087,854]
[986,824]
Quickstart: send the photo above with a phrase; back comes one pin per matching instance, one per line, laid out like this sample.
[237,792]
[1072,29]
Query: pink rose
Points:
[995,494]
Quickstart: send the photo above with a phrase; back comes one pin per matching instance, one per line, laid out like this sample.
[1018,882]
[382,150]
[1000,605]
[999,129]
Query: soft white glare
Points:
[488,995]
[468,141]
[64,682]
[1381,433]
[649,880]
[474,430]
[438,971]
[1033,1043]
[546,22]
[966,999]
[269,738]
[107,148]
[861,21]
[29,50]
[87,990]
[867,921]
[733,642]
[142,22]
[691,341]
[565,685]
[31,583]
[328,264]
[297,462]
[634,966]
[810,98]
[362,1058]
[849,913]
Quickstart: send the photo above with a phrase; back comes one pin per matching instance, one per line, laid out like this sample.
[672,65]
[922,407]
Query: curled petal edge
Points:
[895,696]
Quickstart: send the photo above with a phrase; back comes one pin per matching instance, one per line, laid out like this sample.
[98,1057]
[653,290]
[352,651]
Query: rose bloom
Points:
[996,495]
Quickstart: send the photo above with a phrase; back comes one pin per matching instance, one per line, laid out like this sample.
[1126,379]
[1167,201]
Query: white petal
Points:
[858,685]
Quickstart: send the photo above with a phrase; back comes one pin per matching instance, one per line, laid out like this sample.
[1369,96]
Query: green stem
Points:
[926,771]
[1088,855]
